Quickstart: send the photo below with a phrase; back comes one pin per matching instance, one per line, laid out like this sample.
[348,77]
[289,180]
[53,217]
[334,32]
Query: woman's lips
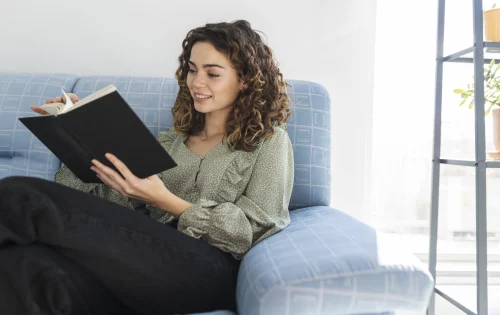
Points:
[201,97]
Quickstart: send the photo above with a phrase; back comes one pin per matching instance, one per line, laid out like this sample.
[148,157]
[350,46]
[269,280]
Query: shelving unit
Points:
[476,55]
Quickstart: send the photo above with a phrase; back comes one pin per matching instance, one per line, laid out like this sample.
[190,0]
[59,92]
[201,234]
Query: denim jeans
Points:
[63,251]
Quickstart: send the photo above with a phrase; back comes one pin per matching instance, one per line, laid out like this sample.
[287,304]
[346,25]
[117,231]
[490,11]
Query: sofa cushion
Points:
[152,99]
[329,262]
[21,153]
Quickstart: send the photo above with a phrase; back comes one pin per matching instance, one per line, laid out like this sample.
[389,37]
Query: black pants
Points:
[66,252]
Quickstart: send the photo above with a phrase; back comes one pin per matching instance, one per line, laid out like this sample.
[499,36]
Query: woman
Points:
[80,250]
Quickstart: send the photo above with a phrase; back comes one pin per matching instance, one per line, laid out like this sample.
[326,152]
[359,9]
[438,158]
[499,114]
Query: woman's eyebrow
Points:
[208,65]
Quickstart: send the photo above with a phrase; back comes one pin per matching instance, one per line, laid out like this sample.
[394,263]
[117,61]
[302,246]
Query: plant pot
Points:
[491,21]
[495,114]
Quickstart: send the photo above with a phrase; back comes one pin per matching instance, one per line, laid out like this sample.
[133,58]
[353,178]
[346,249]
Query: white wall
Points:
[327,41]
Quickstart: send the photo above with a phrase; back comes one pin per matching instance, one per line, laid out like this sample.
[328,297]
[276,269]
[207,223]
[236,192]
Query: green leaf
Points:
[488,110]
[459,91]
[487,70]
[496,69]
[471,104]
[463,101]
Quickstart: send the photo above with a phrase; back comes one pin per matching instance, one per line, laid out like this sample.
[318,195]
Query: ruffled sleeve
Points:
[232,180]
[260,211]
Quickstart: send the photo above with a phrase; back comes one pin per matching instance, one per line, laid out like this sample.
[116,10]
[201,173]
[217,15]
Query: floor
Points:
[458,276]
[465,295]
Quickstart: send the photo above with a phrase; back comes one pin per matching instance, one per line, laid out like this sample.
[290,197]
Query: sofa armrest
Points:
[331,263]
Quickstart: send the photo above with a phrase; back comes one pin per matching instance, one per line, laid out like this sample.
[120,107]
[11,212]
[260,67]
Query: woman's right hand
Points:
[59,99]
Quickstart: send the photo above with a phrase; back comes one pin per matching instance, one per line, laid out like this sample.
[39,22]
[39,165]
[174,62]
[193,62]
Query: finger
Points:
[73,97]
[120,166]
[38,110]
[107,180]
[49,101]
[111,173]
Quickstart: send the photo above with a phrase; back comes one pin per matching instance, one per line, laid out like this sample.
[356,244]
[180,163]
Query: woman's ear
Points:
[243,85]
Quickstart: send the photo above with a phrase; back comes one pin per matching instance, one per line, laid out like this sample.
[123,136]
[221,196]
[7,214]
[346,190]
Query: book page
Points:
[61,108]
[98,94]
[68,104]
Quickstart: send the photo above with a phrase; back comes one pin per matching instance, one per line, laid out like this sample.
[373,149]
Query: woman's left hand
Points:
[151,190]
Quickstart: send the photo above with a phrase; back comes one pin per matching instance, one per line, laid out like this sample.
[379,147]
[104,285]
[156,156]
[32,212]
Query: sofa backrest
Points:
[152,99]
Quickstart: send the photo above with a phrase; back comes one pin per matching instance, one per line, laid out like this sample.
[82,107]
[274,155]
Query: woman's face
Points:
[212,81]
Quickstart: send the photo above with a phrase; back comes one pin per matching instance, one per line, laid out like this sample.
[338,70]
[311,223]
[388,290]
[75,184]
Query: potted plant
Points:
[491,101]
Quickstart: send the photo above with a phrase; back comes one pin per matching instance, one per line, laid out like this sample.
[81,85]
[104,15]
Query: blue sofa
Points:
[324,262]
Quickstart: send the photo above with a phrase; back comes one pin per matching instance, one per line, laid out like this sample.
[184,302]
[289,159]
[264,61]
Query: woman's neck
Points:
[214,126]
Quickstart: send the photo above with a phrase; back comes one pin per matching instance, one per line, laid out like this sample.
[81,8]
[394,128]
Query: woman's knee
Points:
[20,180]
[15,185]
[36,283]
[18,192]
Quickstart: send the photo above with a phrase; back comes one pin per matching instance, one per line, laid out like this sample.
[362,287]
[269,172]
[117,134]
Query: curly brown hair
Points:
[258,108]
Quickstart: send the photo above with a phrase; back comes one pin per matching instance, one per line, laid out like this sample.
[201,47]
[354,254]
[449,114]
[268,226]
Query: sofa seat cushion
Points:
[21,153]
[330,262]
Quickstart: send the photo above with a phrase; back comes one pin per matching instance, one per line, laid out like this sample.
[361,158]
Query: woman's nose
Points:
[198,82]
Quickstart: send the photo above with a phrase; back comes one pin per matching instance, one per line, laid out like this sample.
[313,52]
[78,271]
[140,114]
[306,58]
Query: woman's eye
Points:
[210,75]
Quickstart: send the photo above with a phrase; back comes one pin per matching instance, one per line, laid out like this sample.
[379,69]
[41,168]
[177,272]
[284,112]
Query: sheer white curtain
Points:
[402,143]
[403,114]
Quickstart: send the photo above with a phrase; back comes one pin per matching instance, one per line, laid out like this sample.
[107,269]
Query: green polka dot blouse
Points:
[239,198]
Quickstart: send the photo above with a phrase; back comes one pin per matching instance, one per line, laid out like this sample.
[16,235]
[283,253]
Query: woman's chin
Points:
[202,108]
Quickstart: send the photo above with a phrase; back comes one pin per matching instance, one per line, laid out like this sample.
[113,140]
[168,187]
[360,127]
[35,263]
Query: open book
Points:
[100,123]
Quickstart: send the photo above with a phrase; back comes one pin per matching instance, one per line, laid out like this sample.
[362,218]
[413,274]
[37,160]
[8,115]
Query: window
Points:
[403,122]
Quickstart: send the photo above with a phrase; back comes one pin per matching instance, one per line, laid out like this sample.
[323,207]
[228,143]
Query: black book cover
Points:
[106,124]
